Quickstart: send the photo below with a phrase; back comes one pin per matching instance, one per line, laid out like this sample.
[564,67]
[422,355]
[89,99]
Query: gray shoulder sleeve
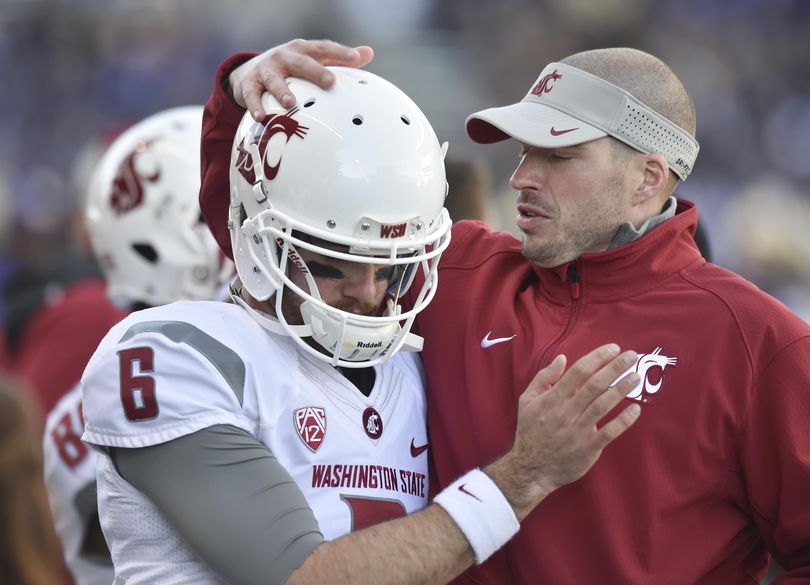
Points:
[230,499]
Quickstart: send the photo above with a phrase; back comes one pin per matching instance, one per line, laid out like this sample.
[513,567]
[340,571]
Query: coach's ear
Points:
[649,184]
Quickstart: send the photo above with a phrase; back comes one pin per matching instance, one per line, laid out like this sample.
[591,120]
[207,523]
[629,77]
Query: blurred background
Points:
[79,71]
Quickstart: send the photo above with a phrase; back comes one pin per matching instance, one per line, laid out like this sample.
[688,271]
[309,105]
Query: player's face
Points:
[353,287]
[572,200]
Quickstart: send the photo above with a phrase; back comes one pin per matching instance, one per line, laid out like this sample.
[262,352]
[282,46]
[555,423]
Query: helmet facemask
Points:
[348,339]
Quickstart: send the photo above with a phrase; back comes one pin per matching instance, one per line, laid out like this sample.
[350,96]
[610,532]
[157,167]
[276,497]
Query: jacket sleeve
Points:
[220,120]
[775,455]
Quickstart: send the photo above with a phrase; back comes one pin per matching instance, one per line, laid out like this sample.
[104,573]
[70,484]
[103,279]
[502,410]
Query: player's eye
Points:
[324,270]
[386,273]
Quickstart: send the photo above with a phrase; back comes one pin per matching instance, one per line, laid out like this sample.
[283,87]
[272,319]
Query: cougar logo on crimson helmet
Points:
[256,144]
[127,188]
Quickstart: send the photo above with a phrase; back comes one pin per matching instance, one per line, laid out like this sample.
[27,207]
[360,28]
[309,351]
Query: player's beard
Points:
[587,228]
[291,308]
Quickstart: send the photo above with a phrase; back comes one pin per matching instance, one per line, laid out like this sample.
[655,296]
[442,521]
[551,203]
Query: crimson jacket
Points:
[717,469]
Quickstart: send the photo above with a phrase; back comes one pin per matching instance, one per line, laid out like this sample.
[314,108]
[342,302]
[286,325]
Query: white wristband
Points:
[481,512]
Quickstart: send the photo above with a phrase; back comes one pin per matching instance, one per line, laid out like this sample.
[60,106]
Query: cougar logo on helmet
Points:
[127,187]
[260,141]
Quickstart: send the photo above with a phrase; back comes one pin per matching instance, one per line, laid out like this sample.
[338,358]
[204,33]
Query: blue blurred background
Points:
[77,71]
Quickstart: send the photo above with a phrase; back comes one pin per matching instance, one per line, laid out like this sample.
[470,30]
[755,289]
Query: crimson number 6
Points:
[138,392]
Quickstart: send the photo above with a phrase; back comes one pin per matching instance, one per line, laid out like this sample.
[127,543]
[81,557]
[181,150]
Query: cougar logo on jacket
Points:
[650,368]
[127,190]
[260,146]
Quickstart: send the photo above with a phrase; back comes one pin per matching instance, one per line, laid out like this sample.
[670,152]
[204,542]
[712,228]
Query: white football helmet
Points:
[143,216]
[358,166]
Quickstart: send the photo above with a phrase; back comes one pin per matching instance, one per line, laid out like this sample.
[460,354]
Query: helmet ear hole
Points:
[147,252]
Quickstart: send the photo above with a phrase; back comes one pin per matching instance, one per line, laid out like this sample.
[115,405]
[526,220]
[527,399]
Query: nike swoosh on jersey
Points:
[561,132]
[487,342]
[463,490]
[417,451]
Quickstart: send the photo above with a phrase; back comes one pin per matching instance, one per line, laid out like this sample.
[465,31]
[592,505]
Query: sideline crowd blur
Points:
[85,68]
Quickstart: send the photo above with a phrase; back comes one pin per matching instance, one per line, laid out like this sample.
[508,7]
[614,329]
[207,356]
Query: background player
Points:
[144,224]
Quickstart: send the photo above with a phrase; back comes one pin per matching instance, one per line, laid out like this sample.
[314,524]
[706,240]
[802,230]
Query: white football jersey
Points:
[169,371]
[70,476]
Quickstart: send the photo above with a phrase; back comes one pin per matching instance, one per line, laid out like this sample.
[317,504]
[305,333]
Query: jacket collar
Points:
[628,269]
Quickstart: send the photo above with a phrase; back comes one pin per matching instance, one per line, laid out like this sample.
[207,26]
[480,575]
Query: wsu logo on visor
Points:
[127,188]
[545,84]
[265,143]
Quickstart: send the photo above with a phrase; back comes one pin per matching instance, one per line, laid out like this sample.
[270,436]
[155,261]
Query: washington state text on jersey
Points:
[369,477]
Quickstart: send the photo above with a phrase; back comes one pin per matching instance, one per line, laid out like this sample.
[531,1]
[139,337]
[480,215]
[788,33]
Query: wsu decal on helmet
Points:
[127,187]
[260,145]
[310,422]
[650,368]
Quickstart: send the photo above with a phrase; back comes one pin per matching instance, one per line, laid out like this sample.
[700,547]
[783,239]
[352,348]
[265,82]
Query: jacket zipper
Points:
[575,289]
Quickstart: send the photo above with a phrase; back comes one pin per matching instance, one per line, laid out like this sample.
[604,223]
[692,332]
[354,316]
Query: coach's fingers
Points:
[618,425]
[329,52]
[608,400]
[585,367]
[545,378]
[248,94]
[603,379]
[298,58]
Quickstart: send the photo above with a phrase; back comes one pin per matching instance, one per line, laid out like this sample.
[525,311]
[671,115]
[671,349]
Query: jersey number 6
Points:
[138,392]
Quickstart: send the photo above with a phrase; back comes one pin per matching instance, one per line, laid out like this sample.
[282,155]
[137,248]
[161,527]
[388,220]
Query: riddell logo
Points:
[361,345]
[261,146]
[650,368]
[546,84]
[294,257]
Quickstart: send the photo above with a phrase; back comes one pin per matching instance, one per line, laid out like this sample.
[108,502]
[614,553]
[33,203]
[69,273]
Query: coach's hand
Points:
[268,71]
[557,439]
